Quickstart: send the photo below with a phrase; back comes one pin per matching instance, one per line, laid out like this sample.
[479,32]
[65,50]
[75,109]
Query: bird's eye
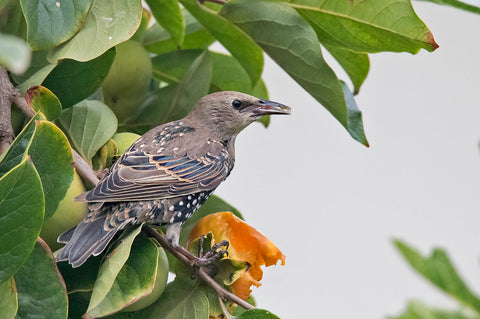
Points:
[236,104]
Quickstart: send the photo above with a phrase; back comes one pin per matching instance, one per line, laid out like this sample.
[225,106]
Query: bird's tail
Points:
[90,237]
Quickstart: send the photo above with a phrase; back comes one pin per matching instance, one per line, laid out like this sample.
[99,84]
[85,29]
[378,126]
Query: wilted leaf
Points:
[367,26]
[14,53]
[158,40]
[21,213]
[168,15]
[355,64]
[214,204]
[42,99]
[8,299]
[174,102]
[72,81]
[111,266]
[89,125]
[240,45]
[246,245]
[291,42]
[107,24]
[50,23]
[418,310]
[439,270]
[41,290]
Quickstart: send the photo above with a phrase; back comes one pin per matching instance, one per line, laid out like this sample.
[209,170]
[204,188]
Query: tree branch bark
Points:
[7,92]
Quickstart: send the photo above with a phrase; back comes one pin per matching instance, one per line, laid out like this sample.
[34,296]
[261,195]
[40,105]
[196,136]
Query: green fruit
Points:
[124,140]
[128,80]
[159,284]
[68,214]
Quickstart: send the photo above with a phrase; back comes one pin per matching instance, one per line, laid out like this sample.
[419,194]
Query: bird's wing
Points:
[141,176]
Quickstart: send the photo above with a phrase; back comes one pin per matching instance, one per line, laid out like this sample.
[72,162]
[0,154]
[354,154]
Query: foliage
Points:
[66,57]
[439,270]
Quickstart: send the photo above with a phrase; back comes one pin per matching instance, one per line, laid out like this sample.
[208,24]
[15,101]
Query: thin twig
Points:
[222,292]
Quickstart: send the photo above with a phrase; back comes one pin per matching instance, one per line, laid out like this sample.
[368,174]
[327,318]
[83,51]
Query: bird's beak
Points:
[265,107]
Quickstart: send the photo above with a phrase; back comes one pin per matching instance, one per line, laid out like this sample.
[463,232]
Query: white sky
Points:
[332,205]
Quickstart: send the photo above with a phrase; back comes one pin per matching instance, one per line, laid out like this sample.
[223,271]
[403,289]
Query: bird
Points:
[167,174]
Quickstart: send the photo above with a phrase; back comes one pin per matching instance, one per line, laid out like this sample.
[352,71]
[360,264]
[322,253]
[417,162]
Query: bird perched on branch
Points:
[167,174]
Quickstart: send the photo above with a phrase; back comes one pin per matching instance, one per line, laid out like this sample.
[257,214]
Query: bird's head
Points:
[227,113]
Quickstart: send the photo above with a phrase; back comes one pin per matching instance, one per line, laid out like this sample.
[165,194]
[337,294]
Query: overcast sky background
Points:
[332,206]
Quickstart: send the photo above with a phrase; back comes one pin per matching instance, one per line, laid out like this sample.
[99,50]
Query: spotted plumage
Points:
[167,174]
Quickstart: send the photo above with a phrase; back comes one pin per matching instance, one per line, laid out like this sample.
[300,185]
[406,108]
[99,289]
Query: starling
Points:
[167,174]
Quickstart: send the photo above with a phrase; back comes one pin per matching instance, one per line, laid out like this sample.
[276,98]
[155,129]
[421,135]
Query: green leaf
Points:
[12,20]
[42,99]
[38,61]
[107,24]
[51,153]
[72,81]
[111,267]
[355,124]
[257,314]
[367,26]
[183,299]
[50,23]
[15,153]
[158,40]
[355,64]
[174,102]
[8,299]
[214,204]
[134,280]
[418,310]
[80,279]
[240,45]
[41,290]
[458,4]
[169,15]
[37,78]
[89,125]
[15,54]
[292,43]
[21,213]
[227,73]
[439,270]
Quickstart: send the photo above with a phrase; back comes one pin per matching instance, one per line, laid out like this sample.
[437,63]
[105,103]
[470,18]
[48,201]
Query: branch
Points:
[222,292]
[6,98]
[88,174]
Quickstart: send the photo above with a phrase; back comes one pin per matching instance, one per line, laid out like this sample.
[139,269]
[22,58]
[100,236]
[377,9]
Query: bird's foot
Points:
[207,260]
[215,253]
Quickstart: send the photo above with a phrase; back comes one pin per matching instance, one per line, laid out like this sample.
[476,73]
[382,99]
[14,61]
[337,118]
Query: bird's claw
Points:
[215,253]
